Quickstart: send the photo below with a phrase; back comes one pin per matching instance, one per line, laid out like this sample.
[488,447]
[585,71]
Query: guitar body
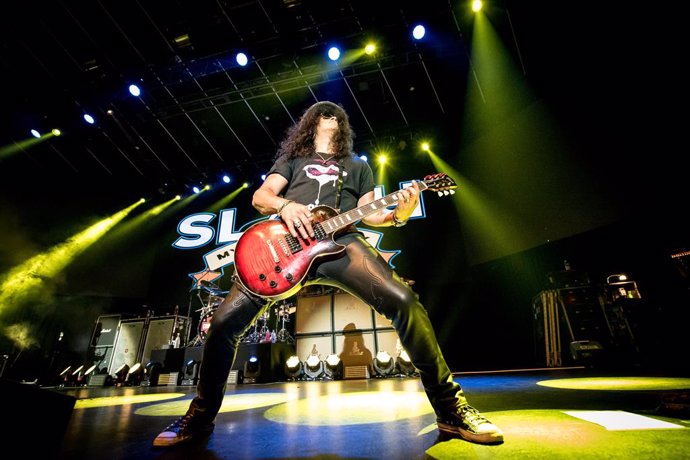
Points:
[272,264]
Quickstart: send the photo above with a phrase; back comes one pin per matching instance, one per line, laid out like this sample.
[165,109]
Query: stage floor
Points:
[554,413]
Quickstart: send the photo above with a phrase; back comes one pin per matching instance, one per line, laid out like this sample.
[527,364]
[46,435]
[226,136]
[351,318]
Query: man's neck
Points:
[322,143]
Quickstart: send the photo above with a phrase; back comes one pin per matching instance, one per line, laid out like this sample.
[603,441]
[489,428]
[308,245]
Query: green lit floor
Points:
[544,414]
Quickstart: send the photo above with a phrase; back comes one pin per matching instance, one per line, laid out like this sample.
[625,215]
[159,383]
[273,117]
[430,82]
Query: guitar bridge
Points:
[283,247]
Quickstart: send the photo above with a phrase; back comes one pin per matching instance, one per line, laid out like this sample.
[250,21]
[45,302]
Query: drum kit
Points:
[260,331]
[211,296]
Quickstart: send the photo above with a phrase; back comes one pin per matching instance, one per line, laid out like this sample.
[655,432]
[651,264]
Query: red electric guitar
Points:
[271,263]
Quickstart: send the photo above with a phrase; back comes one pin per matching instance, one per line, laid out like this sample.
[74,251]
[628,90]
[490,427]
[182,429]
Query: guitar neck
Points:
[340,221]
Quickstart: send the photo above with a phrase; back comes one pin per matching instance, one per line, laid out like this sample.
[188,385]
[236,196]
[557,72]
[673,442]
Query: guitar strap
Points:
[341,170]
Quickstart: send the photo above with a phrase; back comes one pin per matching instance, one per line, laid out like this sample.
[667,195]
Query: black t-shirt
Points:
[314,182]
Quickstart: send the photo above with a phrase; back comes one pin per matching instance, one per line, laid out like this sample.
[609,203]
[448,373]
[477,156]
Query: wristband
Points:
[282,206]
[398,223]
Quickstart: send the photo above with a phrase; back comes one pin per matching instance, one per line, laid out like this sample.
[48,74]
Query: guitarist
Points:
[315,166]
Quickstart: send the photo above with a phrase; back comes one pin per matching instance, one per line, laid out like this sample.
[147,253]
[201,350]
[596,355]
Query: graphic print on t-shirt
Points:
[323,174]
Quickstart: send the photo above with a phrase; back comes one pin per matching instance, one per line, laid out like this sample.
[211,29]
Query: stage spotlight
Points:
[91,370]
[425,146]
[263,177]
[293,368]
[196,189]
[121,375]
[56,132]
[190,372]
[152,371]
[403,365]
[35,134]
[364,157]
[383,364]
[333,53]
[370,48]
[68,376]
[65,375]
[226,179]
[241,59]
[334,367]
[77,375]
[89,119]
[418,32]
[252,370]
[134,90]
[84,377]
[476,5]
[135,375]
[313,368]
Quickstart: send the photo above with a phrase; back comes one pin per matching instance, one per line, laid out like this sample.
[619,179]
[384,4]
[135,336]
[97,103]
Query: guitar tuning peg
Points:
[452,192]
[446,192]
[440,193]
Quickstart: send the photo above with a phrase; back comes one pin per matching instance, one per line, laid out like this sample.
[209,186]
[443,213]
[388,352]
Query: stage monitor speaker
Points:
[127,344]
[99,380]
[587,352]
[36,420]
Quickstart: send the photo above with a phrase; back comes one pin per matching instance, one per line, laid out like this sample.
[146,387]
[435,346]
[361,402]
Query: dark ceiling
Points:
[200,114]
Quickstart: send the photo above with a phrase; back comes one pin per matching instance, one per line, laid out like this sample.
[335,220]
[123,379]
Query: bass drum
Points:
[204,325]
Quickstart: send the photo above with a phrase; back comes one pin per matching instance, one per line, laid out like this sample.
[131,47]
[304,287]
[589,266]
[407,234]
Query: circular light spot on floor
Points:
[351,408]
[539,434]
[231,403]
[123,400]
[619,383]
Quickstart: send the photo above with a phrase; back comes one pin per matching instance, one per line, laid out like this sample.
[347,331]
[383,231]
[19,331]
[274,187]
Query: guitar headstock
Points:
[440,183]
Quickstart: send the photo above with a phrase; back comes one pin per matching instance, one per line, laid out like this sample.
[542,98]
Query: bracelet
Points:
[282,206]
[398,223]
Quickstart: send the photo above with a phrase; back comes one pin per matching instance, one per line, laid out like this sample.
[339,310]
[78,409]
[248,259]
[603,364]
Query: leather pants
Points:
[360,271]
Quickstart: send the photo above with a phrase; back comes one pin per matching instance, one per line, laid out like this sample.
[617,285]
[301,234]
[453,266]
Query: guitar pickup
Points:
[293,244]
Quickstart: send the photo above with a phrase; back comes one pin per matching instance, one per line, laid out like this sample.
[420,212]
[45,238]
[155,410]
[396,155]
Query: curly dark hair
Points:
[299,139]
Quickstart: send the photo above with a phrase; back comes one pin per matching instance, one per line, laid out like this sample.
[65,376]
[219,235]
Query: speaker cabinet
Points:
[105,331]
[160,332]
[127,344]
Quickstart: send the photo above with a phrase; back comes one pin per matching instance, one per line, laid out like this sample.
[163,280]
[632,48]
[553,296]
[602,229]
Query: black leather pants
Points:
[362,272]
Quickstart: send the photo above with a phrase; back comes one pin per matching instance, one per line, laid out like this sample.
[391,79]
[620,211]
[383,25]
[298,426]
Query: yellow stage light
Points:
[425,146]
[56,132]
[293,368]
[476,5]
[382,159]
[370,48]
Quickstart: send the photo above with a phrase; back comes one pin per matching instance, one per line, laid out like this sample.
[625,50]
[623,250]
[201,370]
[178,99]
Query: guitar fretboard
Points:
[334,224]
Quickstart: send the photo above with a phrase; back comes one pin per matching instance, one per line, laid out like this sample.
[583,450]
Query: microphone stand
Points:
[188,325]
